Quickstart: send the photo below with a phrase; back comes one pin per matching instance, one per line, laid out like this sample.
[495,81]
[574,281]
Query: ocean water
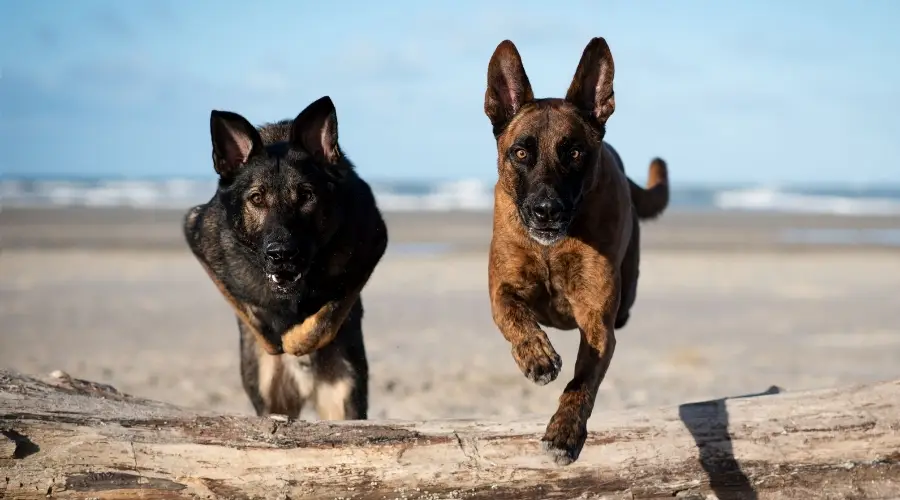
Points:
[465,194]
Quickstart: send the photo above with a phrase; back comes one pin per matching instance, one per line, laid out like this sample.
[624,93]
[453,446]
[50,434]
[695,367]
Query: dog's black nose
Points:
[279,252]
[547,210]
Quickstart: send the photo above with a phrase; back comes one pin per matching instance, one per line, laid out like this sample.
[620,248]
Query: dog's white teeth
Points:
[276,279]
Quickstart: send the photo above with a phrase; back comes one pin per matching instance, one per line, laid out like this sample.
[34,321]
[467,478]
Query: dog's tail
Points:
[651,201]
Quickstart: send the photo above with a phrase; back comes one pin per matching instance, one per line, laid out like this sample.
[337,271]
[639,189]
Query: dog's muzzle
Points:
[281,264]
[546,219]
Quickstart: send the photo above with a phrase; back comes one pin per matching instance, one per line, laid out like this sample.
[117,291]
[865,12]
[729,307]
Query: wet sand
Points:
[728,304]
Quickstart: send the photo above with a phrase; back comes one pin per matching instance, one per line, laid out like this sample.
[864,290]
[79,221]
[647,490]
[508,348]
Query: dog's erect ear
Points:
[315,130]
[508,88]
[592,87]
[234,141]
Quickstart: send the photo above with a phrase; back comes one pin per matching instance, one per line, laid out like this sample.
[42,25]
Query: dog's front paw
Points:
[537,359]
[564,438]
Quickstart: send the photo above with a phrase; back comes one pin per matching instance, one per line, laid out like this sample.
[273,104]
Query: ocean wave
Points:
[460,195]
[173,193]
[468,194]
[777,200]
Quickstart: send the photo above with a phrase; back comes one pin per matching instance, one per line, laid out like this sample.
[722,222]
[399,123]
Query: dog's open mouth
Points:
[546,236]
[283,280]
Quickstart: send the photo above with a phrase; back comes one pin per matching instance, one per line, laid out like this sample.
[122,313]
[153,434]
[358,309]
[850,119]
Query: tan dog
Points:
[566,246]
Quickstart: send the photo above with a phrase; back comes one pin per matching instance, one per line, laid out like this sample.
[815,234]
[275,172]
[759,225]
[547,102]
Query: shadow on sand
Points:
[707,422]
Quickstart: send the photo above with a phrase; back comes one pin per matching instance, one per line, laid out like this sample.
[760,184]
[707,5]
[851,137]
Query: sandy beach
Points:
[728,304]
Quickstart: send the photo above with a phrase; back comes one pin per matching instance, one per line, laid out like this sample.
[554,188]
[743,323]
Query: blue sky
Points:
[761,91]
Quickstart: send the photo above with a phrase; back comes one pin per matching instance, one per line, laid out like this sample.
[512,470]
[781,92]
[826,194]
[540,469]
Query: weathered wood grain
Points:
[68,438]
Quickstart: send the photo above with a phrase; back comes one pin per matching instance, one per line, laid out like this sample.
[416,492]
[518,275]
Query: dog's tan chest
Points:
[549,300]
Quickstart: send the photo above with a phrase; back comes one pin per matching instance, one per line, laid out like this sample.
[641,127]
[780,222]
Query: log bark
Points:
[69,438]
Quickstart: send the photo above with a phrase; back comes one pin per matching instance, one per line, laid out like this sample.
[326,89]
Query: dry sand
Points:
[724,308]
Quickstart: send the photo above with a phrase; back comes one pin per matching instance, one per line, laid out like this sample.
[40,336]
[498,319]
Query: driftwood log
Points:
[69,438]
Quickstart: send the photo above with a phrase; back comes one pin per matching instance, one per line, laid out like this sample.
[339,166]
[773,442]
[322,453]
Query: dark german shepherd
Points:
[290,238]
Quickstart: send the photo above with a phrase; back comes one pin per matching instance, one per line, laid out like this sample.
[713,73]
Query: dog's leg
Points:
[342,373]
[510,290]
[630,272]
[531,348]
[275,384]
[321,328]
[595,314]
[567,430]
[250,368]
[341,391]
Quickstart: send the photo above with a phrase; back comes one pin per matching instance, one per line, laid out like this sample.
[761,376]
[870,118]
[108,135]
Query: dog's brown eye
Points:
[521,154]
[256,199]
